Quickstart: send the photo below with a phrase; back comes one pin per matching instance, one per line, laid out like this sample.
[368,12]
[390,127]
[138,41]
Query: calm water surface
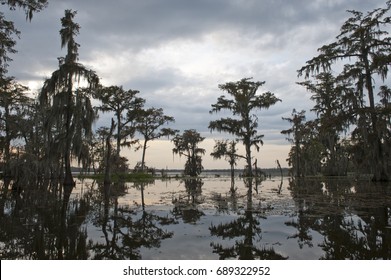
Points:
[208,218]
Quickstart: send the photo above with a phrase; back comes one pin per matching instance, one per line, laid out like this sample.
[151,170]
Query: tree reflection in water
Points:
[352,216]
[127,230]
[244,230]
[36,225]
[50,228]
[313,218]
[185,208]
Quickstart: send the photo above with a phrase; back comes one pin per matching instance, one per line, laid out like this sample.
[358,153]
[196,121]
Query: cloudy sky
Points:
[177,52]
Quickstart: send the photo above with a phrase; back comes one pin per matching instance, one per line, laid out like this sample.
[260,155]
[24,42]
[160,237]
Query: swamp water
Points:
[208,218]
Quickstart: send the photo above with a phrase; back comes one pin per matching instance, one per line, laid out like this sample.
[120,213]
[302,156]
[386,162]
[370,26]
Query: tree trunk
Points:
[68,183]
[118,135]
[247,144]
[7,154]
[297,171]
[68,179]
[380,172]
[142,196]
[107,179]
[232,172]
[248,159]
[143,156]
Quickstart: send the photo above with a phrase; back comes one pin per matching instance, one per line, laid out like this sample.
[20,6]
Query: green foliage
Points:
[335,105]
[149,123]
[296,136]
[126,106]
[8,31]
[243,101]
[186,144]
[227,149]
[14,114]
[364,45]
[29,6]
[69,111]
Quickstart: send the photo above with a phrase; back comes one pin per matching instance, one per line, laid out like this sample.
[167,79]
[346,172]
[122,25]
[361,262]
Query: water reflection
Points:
[244,230]
[210,218]
[32,228]
[186,207]
[352,216]
[126,230]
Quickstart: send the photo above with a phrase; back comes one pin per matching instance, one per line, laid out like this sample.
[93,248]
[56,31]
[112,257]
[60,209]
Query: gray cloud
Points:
[176,52]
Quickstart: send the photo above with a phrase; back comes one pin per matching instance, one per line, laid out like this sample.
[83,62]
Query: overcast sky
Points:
[176,52]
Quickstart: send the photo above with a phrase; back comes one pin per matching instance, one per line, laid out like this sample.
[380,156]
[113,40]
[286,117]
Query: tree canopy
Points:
[364,45]
[186,144]
[242,100]
[68,106]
